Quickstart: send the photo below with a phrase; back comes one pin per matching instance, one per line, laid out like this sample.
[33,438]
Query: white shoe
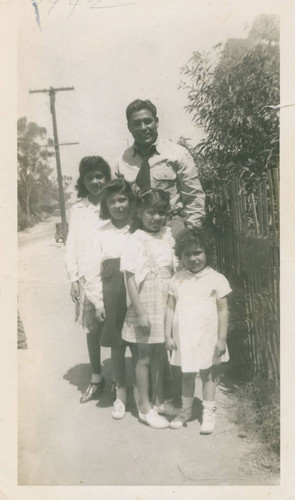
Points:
[118,409]
[166,408]
[152,419]
[184,415]
[208,421]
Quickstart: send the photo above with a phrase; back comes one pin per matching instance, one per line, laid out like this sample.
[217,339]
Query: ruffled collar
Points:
[145,235]
[123,230]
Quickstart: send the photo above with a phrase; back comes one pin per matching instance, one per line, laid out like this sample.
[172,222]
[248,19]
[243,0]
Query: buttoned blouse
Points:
[84,222]
[148,252]
[109,243]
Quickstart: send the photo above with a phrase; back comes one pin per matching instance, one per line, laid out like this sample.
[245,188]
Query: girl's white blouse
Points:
[84,222]
[141,243]
[109,243]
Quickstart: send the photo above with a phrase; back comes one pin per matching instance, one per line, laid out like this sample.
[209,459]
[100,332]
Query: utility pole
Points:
[51,91]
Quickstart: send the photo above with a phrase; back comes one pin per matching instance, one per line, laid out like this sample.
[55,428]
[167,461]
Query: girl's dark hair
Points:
[115,186]
[149,198]
[193,236]
[88,163]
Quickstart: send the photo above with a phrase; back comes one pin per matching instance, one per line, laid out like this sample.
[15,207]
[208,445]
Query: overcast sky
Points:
[115,54]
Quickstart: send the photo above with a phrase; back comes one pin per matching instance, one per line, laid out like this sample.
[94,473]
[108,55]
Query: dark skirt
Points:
[114,297]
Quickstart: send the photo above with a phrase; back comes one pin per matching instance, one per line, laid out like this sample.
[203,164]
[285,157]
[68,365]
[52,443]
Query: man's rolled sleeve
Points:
[191,192]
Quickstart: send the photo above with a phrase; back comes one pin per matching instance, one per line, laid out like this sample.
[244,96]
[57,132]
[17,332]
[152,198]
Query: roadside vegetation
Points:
[233,94]
[38,196]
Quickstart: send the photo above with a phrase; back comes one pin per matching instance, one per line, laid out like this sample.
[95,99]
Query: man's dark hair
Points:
[88,163]
[138,105]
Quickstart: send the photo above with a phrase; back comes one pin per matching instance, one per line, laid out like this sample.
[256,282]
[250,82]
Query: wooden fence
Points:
[247,243]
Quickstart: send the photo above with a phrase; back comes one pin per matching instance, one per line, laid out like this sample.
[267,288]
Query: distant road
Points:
[41,230]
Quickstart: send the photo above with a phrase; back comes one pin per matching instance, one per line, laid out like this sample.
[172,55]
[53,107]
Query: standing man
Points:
[156,162]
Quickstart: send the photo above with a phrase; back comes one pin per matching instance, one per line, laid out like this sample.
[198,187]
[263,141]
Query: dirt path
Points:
[62,442]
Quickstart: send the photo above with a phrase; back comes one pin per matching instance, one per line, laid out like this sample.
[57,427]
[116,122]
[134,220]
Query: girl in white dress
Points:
[84,223]
[196,324]
[149,265]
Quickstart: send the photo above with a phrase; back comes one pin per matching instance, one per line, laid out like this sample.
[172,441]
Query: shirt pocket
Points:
[164,176]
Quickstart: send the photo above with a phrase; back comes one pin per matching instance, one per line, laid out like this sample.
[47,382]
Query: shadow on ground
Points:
[80,376]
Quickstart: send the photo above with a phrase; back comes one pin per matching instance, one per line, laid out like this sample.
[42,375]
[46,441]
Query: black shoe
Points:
[92,391]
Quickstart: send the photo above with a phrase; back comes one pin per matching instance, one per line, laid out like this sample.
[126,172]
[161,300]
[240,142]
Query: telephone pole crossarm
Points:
[58,89]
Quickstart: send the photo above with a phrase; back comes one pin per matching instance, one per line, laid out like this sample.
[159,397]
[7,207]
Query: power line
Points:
[60,144]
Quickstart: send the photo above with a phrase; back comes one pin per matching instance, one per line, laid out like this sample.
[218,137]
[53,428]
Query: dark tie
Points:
[143,178]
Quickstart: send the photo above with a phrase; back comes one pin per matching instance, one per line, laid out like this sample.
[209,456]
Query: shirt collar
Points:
[88,203]
[154,146]
[199,274]
[124,229]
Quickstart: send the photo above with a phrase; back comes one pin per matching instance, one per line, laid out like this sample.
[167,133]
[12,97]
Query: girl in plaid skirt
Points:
[84,222]
[149,264]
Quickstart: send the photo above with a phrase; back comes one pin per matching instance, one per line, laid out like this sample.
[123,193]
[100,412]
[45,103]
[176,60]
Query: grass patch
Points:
[255,408]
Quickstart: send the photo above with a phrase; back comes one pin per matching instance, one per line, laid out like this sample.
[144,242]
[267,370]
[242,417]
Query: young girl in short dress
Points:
[104,282]
[149,265]
[84,222]
[196,324]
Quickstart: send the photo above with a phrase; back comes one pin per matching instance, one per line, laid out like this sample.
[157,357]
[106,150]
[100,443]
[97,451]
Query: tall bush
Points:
[231,90]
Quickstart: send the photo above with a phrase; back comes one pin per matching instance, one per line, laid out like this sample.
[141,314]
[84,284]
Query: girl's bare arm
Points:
[143,320]
[169,317]
[75,291]
[222,311]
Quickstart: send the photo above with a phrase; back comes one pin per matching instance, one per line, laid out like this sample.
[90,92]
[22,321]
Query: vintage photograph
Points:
[148,152]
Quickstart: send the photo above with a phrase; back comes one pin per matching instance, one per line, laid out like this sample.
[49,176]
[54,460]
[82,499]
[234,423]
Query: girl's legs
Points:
[118,365]
[188,384]
[209,405]
[157,373]
[142,376]
[119,376]
[134,357]
[188,391]
[146,353]
[93,337]
[97,381]
[208,384]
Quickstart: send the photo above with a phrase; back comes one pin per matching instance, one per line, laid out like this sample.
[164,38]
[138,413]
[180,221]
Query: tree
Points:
[37,188]
[49,198]
[230,89]
[33,165]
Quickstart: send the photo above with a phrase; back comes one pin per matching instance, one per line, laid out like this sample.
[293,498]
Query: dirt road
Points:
[62,442]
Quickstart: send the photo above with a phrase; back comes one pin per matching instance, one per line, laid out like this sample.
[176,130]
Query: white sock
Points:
[187,402]
[209,404]
[121,394]
[96,378]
